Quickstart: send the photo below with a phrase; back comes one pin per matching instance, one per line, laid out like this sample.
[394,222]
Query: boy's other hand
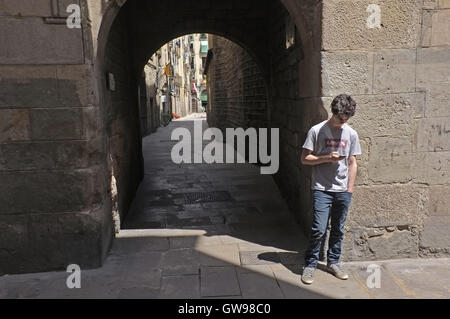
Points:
[335,157]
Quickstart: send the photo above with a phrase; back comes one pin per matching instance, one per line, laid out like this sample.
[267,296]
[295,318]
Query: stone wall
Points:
[53,195]
[236,87]
[121,113]
[296,102]
[398,75]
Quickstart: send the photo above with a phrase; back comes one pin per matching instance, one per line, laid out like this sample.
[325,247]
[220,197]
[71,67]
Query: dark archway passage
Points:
[252,223]
[263,30]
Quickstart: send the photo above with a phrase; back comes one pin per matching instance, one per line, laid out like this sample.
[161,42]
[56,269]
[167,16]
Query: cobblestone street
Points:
[232,236]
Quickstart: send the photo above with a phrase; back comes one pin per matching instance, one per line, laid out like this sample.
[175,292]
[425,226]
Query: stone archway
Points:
[359,60]
[139,26]
[67,182]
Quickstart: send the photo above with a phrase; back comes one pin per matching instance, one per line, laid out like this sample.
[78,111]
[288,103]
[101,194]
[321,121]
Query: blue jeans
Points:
[340,203]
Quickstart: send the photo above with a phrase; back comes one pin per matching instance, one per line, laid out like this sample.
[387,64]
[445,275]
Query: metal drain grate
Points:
[207,197]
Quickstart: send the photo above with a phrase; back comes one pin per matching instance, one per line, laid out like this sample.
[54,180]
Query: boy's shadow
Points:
[292,261]
[295,261]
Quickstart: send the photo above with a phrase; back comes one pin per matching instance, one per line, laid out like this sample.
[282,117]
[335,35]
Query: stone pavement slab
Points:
[219,281]
[259,286]
[180,287]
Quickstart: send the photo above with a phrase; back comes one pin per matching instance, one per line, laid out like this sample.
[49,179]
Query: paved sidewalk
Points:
[233,238]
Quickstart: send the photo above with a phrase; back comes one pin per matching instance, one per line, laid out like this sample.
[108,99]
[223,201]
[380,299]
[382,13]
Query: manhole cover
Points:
[207,197]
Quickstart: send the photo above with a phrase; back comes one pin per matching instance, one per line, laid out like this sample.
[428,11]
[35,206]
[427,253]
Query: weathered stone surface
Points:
[219,281]
[418,101]
[394,71]
[209,255]
[54,232]
[432,168]
[175,257]
[444,4]
[47,192]
[345,24]
[44,155]
[30,41]
[28,86]
[56,124]
[438,95]
[13,231]
[228,109]
[362,243]
[259,286]
[436,4]
[355,245]
[440,34]
[430,4]
[33,93]
[427,24]
[75,85]
[390,160]
[362,177]
[396,244]
[435,233]
[386,115]
[349,72]
[93,126]
[24,8]
[440,200]
[387,205]
[46,86]
[14,125]
[432,66]
[143,270]
[433,135]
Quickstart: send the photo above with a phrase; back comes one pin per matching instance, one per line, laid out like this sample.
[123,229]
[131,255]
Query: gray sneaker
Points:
[308,275]
[337,271]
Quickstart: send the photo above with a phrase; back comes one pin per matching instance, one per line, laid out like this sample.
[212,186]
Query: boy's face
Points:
[341,118]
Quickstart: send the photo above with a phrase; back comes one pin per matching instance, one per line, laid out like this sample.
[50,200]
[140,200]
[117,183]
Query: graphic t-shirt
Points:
[322,139]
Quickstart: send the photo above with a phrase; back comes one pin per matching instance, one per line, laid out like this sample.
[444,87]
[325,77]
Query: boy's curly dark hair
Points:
[343,104]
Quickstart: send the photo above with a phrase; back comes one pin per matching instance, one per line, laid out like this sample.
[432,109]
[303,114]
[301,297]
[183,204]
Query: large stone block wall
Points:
[53,194]
[236,86]
[296,102]
[398,75]
[121,113]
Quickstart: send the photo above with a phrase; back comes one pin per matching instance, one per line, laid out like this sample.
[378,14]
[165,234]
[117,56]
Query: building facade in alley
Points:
[172,83]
